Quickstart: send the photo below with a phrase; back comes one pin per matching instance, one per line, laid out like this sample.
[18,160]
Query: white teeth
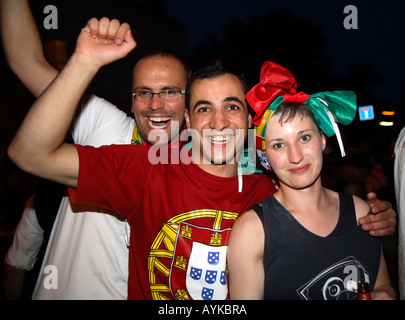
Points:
[159,119]
[219,139]
[158,122]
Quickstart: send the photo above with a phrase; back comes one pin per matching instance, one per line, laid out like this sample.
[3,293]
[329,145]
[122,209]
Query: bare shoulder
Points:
[249,221]
[247,230]
[361,206]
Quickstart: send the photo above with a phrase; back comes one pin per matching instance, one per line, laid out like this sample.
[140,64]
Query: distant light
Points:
[388,113]
[386,123]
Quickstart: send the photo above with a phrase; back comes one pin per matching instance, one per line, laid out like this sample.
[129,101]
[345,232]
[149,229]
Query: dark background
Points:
[307,37]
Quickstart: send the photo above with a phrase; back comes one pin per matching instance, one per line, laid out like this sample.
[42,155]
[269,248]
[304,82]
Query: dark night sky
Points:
[378,43]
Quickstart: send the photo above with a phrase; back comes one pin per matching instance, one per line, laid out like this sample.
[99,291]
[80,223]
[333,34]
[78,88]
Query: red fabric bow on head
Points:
[275,80]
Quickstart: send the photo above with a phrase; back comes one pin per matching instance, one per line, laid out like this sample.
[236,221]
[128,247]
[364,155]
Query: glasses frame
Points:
[159,94]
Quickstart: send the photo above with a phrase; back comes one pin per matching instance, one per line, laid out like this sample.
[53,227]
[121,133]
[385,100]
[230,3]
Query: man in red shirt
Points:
[170,234]
[178,243]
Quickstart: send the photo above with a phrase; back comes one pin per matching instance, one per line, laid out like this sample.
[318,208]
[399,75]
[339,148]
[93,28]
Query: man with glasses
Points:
[158,97]
[88,249]
[180,215]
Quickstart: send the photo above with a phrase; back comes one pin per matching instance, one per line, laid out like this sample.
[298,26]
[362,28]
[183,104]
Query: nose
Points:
[295,154]
[155,102]
[219,121]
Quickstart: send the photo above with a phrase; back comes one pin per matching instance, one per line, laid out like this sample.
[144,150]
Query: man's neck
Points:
[220,170]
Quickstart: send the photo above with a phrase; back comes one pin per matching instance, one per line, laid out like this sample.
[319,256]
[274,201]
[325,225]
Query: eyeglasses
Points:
[167,95]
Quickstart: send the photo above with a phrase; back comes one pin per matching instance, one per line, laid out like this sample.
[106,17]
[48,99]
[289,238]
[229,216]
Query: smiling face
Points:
[294,149]
[219,118]
[156,116]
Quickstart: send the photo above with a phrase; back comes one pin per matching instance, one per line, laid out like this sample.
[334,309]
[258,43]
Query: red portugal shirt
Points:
[180,218]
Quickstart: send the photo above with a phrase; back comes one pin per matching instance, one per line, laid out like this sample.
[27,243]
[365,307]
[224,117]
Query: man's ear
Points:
[250,119]
[187,117]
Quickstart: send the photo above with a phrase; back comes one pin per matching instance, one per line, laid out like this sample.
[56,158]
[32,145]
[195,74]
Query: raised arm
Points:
[38,146]
[23,47]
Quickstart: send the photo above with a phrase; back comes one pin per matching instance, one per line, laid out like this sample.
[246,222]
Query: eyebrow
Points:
[161,89]
[233,99]
[201,102]
[298,134]
[227,99]
[303,131]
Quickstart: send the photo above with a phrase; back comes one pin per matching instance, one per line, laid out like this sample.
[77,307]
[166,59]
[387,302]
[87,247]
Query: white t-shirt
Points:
[27,240]
[399,180]
[87,254]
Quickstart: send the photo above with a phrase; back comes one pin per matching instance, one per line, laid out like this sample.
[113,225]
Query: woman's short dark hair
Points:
[289,110]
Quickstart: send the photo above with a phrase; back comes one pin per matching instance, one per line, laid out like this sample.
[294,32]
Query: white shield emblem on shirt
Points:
[198,269]
[210,284]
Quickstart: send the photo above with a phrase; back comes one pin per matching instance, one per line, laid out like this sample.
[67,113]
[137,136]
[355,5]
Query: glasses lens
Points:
[142,95]
[169,95]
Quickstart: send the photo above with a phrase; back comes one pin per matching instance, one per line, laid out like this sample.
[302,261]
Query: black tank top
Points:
[302,265]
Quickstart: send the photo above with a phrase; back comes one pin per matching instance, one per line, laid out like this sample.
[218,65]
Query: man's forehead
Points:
[162,63]
[226,85]
[159,75]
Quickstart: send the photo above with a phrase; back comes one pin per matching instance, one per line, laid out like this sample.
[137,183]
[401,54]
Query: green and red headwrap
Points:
[277,85]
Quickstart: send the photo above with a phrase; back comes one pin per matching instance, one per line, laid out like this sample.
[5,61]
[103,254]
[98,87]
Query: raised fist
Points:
[105,41]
